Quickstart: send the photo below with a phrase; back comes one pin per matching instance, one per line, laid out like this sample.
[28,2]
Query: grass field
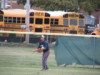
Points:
[21,61]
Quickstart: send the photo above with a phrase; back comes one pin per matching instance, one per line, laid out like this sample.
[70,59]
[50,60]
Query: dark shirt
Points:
[44,44]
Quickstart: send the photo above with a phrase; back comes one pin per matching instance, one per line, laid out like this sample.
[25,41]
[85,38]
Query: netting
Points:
[69,54]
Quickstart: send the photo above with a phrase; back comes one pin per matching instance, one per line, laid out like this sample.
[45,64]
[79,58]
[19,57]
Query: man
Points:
[43,47]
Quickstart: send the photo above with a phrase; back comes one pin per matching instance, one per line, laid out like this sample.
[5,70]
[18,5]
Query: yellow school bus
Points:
[15,20]
[70,23]
[76,23]
[43,21]
[56,22]
[1,20]
[40,21]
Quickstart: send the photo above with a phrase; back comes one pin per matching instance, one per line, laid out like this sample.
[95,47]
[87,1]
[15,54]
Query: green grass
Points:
[21,61]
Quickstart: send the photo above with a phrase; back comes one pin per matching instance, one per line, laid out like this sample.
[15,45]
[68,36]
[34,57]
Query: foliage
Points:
[66,5]
[89,5]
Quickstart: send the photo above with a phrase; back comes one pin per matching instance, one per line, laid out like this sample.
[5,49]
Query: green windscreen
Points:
[78,50]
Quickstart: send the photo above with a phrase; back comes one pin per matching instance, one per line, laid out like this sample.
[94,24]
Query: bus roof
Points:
[56,13]
[22,12]
[18,12]
[14,13]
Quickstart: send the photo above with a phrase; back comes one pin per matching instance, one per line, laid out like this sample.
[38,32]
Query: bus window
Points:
[73,22]
[23,20]
[81,16]
[31,20]
[46,21]
[10,19]
[32,14]
[65,16]
[1,18]
[39,21]
[81,22]
[47,15]
[54,21]
[38,29]
[14,19]
[65,21]
[5,19]
[18,19]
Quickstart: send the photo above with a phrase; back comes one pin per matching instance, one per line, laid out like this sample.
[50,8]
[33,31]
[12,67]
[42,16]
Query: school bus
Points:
[40,21]
[15,20]
[43,21]
[1,20]
[56,22]
[75,23]
[70,23]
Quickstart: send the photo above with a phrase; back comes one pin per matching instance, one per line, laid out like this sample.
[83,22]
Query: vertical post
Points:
[4,4]
[94,51]
[47,39]
[27,21]
[99,21]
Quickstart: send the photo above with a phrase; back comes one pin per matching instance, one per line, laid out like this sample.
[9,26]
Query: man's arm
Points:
[38,50]
[35,50]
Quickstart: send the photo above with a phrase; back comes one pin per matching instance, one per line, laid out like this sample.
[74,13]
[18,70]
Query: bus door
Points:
[81,26]
[66,23]
[73,17]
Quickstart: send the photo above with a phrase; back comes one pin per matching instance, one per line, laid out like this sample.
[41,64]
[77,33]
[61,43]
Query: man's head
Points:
[42,38]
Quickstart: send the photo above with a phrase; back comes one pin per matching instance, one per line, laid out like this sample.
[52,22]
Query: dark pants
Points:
[44,60]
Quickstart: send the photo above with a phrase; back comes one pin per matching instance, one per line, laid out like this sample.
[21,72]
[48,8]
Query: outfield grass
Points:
[21,61]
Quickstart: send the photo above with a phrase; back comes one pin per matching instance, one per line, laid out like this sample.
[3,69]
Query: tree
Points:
[69,5]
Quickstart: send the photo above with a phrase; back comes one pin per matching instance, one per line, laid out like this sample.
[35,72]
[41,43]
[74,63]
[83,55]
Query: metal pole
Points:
[2,4]
[47,38]
[6,4]
[27,21]
[94,51]
[99,21]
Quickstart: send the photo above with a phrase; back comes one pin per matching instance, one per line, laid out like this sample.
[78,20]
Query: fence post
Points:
[94,49]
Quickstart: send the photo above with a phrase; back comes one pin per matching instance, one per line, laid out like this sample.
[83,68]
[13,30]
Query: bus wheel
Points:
[93,34]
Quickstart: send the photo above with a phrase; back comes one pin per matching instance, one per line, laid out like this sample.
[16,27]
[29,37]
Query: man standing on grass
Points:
[43,47]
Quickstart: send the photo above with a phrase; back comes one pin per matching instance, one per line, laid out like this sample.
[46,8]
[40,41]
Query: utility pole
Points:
[27,21]
[98,25]
[4,4]
[99,20]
